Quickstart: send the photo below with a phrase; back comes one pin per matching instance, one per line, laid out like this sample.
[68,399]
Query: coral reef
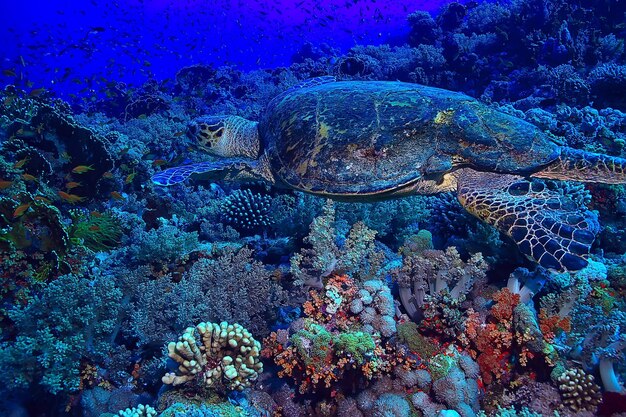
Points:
[404,307]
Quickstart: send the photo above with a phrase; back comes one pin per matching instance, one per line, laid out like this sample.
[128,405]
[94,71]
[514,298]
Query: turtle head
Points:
[227,136]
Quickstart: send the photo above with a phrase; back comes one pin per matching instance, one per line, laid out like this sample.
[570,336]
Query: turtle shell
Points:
[370,137]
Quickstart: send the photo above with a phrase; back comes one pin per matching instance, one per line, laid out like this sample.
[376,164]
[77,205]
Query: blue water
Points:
[78,47]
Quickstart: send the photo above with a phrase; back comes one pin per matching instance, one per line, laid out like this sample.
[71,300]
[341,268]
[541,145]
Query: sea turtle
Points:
[373,140]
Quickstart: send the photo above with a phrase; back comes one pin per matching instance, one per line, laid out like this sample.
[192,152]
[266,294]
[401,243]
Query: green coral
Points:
[98,232]
[408,333]
[317,347]
[440,365]
[357,345]
[313,343]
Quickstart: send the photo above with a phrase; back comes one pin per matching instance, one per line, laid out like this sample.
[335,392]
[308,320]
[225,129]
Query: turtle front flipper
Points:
[578,165]
[547,226]
[228,169]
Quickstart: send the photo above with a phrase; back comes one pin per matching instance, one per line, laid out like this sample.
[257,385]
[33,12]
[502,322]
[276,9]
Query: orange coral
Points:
[551,325]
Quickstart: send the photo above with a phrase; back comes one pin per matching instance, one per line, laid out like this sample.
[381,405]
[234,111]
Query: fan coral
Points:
[226,358]
[246,210]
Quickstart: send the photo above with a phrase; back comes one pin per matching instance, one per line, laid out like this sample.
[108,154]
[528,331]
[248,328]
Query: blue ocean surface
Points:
[357,208]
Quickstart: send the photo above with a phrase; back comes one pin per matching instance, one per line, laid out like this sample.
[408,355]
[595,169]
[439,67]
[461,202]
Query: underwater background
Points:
[225,298]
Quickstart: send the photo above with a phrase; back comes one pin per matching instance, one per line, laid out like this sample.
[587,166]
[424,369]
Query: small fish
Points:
[81,169]
[66,156]
[130,177]
[96,214]
[70,198]
[158,162]
[42,198]
[37,92]
[21,209]
[73,184]
[4,184]
[117,196]
[108,175]
[9,73]
[28,177]
[178,134]
[94,228]
[20,163]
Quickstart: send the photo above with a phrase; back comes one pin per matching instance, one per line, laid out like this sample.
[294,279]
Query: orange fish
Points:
[4,184]
[42,198]
[117,195]
[158,162]
[28,177]
[70,198]
[37,92]
[73,184]
[107,174]
[94,228]
[21,210]
[20,163]
[81,169]
[130,177]
[96,214]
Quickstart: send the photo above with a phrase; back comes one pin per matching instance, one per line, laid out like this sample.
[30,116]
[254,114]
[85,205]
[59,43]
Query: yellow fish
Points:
[81,169]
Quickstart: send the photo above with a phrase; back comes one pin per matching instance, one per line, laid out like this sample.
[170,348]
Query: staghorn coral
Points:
[218,356]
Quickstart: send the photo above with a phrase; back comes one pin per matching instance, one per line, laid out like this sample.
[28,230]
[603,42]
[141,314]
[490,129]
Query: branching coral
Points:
[357,256]
[74,319]
[218,356]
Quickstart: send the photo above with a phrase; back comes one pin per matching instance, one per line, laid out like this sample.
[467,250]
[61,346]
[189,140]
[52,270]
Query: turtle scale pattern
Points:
[375,137]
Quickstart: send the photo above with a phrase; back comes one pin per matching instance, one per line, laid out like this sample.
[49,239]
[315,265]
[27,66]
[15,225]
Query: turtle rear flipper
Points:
[578,165]
[231,169]
[547,227]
